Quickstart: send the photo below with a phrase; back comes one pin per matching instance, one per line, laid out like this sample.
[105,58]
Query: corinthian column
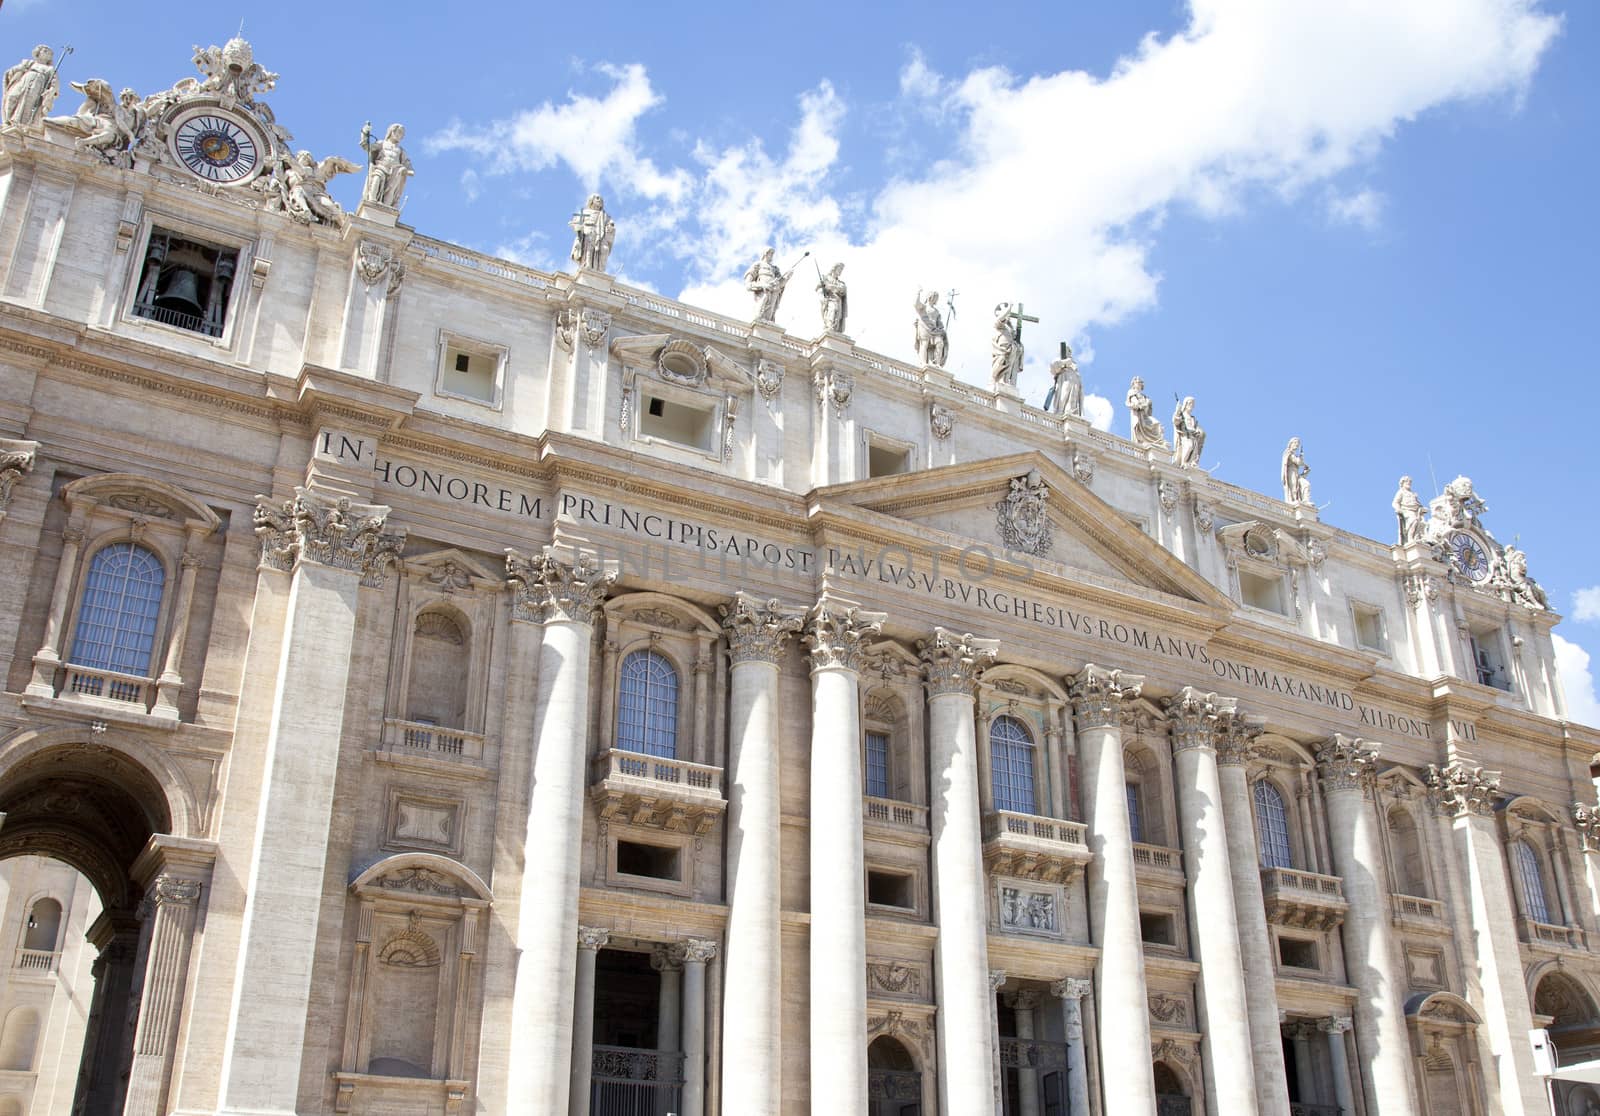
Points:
[752,1049]
[951,667]
[1071,993]
[1098,696]
[333,547]
[565,599]
[836,636]
[1466,796]
[1224,1017]
[1235,738]
[1346,766]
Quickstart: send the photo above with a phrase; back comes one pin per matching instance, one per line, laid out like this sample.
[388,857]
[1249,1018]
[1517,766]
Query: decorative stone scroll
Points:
[1347,763]
[941,420]
[952,663]
[757,630]
[1098,695]
[837,634]
[16,460]
[1457,790]
[769,378]
[1194,718]
[327,531]
[544,588]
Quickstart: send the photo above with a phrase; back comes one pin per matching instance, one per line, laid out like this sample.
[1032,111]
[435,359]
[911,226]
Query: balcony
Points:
[76,682]
[1157,860]
[657,791]
[1029,847]
[37,962]
[1303,900]
[625,1081]
[1549,934]
[417,738]
[891,814]
[1416,911]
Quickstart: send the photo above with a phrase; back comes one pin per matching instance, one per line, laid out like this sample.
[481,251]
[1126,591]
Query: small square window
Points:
[656,862]
[891,889]
[887,460]
[471,371]
[1488,659]
[1155,928]
[680,423]
[1369,627]
[1297,953]
[1265,593]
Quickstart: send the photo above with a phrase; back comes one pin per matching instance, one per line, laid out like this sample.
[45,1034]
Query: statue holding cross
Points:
[1006,349]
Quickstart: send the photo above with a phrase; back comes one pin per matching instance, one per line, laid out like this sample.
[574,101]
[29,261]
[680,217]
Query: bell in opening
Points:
[180,292]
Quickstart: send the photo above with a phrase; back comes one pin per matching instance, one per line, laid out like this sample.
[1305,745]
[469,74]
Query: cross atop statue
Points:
[1019,317]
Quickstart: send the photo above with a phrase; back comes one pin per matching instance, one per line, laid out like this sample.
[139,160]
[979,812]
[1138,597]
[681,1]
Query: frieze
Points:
[1029,910]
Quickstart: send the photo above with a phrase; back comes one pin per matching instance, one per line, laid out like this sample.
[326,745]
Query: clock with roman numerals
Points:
[217,146]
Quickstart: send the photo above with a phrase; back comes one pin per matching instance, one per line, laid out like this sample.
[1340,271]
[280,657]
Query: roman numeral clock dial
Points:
[216,148]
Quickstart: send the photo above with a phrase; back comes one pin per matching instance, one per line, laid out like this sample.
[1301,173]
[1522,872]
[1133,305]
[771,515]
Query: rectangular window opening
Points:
[677,422]
[1489,665]
[186,283]
[655,862]
[878,764]
[470,374]
[887,461]
[1297,953]
[1265,593]
[1155,928]
[1369,628]
[890,889]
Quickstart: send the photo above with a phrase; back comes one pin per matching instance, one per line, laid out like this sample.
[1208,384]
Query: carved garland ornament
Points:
[757,630]
[545,588]
[769,378]
[1458,790]
[941,421]
[894,976]
[836,636]
[952,662]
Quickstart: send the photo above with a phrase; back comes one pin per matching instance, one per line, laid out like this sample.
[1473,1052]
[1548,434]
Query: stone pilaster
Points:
[836,635]
[952,664]
[566,599]
[333,547]
[1098,697]
[170,685]
[1346,767]
[1336,1027]
[752,1055]
[1071,992]
[591,940]
[1193,718]
[1235,741]
[697,952]
[48,657]
[1466,796]
[1023,1004]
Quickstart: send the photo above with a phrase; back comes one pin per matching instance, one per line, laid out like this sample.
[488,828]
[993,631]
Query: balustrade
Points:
[625,1081]
[38,960]
[1307,900]
[106,685]
[899,815]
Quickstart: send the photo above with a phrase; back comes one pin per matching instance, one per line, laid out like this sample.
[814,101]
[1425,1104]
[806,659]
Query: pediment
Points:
[961,506]
[676,360]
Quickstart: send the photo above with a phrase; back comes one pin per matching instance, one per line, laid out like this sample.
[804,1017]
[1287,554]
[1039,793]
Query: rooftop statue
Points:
[105,124]
[1066,391]
[931,343]
[1294,474]
[1457,506]
[30,89]
[835,299]
[1144,429]
[231,71]
[388,166]
[1510,577]
[1188,439]
[1005,348]
[766,283]
[593,232]
[298,186]
[1409,511]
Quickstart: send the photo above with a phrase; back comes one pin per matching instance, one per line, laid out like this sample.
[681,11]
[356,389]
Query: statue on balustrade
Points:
[31,87]
[1295,475]
[1145,428]
[1409,511]
[931,343]
[835,299]
[1065,396]
[388,166]
[593,232]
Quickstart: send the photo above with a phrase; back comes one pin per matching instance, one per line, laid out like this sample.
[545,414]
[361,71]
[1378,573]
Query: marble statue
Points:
[1005,348]
[1188,438]
[231,70]
[298,186]
[1294,474]
[593,230]
[388,166]
[1145,428]
[766,283]
[1066,391]
[1409,511]
[107,125]
[1456,506]
[932,344]
[30,89]
[1511,576]
[835,299]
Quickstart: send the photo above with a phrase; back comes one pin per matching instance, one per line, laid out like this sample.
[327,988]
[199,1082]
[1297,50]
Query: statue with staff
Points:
[388,166]
[835,298]
[1065,396]
[766,283]
[1005,360]
[593,231]
[933,345]
[31,87]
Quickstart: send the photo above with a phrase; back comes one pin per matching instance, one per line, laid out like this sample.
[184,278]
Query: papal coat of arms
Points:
[1021,517]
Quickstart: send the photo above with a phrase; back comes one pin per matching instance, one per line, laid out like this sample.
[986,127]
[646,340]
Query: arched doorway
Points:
[1172,1099]
[1574,1026]
[110,816]
[894,1087]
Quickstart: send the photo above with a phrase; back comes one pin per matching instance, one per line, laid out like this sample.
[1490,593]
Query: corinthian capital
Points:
[837,633]
[545,588]
[1236,738]
[1070,988]
[1347,763]
[274,526]
[757,630]
[327,531]
[697,951]
[16,459]
[1098,694]
[1587,821]
[1194,716]
[953,662]
[1458,790]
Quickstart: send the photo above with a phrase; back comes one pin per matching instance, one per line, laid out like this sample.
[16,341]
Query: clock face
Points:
[1470,557]
[216,147]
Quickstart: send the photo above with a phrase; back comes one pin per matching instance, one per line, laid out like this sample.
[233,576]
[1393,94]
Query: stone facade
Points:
[473,689]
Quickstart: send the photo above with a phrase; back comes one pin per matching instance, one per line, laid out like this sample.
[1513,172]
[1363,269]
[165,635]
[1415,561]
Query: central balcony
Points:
[1030,847]
[658,791]
[1303,900]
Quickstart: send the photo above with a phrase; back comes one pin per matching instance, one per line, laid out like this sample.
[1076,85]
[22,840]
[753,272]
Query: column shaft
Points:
[1027,1078]
[694,1026]
[1342,1096]
[1304,1071]
[1072,993]
[590,942]
[172,908]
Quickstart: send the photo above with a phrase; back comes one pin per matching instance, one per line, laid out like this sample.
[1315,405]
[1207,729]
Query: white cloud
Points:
[1586,603]
[1577,680]
[1098,410]
[1363,208]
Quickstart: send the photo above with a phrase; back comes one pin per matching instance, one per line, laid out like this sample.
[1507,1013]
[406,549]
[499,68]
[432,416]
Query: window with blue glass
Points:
[1135,815]
[878,764]
[1011,765]
[647,714]
[1532,883]
[121,605]
[1272,827]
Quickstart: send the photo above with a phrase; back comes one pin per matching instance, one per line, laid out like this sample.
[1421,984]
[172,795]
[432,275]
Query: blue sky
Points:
[1370,223]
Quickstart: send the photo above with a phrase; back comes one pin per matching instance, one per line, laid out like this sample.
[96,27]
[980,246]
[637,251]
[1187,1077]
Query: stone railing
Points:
[1305,1108]
[416,737]
[106,685]
[1307,900]
[628,1082]
[1029,847]
[38,960]
[898,815]
[1416,907]
[1548,933]
[1020,1053]
[1156,858]
[659,772]
[1031,825]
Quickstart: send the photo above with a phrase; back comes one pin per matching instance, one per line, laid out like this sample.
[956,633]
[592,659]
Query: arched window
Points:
[1406,845]
[1532,882]
[43,928]
[121,604]
[647,717]
[436,692]
[1272,827]
[1135,814]
[1011,765]
[19,1038]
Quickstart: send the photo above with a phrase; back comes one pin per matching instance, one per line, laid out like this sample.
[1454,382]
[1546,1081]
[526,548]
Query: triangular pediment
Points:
[960,506]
